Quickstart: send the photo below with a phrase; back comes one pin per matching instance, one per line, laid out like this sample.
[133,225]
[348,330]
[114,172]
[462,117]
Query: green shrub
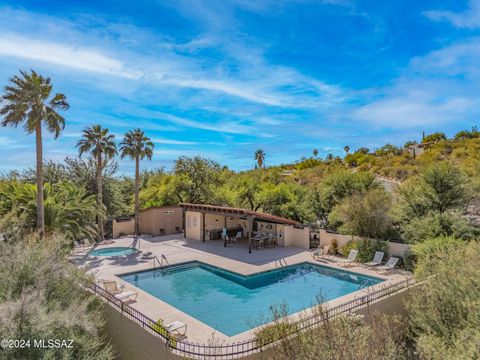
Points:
[274,332]
[334,246]
[366,249]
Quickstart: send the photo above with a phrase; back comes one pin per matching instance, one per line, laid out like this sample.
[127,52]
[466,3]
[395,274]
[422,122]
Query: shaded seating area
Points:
[236,226]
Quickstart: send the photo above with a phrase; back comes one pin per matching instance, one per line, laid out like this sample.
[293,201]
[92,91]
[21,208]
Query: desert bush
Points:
[40,298]
[444,310]
[366,249]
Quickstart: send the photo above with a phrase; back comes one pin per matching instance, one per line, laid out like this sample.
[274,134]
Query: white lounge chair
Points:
[351,258]
[127,296]
[176,326]
[390,265]
[377,259]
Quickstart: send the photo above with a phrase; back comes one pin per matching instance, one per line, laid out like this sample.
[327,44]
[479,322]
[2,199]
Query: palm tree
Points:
[346,148]
[315,152]
[136,146]
[27,101]
[101,146]
[260,157]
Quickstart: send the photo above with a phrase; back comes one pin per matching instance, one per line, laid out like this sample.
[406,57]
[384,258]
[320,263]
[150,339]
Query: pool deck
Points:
[236,258]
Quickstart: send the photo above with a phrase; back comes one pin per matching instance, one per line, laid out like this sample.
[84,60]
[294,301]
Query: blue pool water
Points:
[112,251]
[232,303]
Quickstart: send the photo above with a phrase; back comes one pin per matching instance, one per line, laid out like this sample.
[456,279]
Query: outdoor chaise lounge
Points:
[321,251]
[112,288]
[351,258]
[127,296]
[390,265]
[176,326]
[377,259]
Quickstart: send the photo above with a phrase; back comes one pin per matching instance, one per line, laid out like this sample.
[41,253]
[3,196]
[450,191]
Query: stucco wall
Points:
[122,227]
[168,218]
[297,237]
[394,249]
[193,225]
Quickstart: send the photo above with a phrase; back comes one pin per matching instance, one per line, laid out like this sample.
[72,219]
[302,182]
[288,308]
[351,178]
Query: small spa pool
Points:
[232,303]
[112,251]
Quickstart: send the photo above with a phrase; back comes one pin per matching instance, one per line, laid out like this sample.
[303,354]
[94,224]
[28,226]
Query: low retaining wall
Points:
[394,249]
[132,341]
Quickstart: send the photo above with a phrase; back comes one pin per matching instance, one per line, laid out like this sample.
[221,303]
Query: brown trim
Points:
[231,211]
[161,207]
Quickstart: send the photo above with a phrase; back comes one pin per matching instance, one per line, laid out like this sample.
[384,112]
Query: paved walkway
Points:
[177,250]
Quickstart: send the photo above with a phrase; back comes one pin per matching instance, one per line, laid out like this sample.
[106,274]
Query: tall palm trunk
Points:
[39,170]
[100,194]
[137,190]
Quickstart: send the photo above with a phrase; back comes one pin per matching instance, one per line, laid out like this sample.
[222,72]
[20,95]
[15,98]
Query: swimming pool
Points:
[112,251]
[232,303]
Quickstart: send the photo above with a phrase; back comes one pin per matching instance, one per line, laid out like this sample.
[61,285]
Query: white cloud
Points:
[231,127]
[173,142]
[71,56]
[469,19]
[134,53]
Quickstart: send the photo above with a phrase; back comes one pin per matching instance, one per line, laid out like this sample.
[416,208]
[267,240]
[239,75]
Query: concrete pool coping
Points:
[234,259]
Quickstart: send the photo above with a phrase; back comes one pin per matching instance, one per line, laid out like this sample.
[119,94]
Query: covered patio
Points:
[235,225]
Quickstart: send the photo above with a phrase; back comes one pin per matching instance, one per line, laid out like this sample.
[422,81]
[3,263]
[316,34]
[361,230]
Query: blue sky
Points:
[223,78]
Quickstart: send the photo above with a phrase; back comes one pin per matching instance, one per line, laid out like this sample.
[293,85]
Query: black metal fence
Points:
[237,350]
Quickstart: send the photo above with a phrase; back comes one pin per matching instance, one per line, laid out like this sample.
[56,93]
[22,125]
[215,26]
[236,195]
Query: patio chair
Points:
[127,296]
[237,238]
[351,258]
[321,251]
[175,328]
[390,265]
[377,259]
[111,287]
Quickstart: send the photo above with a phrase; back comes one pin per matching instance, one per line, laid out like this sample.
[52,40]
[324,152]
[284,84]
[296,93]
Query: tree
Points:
[444,309]
[435,225]
[338,185]
[136,146]
[69,210]
[101,145]
[315,152]
[434,137]
[465,134]
[364,215]
[438,188]
[260,157]
[27,101]
[346,148]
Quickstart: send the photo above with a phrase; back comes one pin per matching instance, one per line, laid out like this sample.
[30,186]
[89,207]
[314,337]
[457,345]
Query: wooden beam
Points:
[250,228]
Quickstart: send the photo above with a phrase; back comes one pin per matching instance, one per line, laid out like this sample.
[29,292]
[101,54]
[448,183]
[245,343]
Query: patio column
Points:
[203,226]
[250,228]
[184,221]
[225,237]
